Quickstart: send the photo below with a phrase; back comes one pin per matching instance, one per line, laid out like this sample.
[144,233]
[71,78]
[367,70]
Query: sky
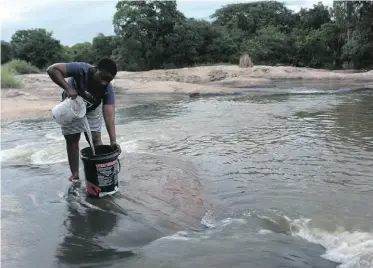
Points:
[76,21]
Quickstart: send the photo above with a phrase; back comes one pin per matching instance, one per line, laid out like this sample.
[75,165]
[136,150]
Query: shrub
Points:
[245,61]
[8,78]
[22,67]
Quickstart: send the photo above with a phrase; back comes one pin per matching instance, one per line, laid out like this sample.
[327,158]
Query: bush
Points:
[8,77]
[22,67]
[245,61]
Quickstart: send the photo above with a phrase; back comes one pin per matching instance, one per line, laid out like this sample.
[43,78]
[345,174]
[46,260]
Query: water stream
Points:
[266,179]
[89,134]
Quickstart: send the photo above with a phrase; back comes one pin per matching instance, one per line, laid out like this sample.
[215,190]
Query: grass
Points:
[8,78]
[13,68]
[22,67]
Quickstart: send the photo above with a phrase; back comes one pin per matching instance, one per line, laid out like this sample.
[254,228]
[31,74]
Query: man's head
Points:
[106,70]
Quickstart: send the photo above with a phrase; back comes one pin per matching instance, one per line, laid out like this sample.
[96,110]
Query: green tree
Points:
[154,34]
[83,52]
[190,42]
[6,52]
[313,18]
[251,17]
[270,46]
[66,55]
[147,23]
[355,20]
[128,55]
[103,46]
[36,46]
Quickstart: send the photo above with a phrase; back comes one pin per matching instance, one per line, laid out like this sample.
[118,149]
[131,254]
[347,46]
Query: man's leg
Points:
[96,138]
[72,133]
[95,122]
[72,148]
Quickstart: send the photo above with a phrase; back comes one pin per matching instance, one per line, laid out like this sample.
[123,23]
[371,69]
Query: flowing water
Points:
[268,179]
[89,134]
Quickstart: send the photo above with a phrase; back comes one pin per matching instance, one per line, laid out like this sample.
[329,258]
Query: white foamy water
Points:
[19,152]
[36,153]
[179,236]
[53,151]
[351,249]
[208,220]
[129,146]
[56,136]
[49,155]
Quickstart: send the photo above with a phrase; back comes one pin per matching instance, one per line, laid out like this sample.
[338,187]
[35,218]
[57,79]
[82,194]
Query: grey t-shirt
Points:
[78,73]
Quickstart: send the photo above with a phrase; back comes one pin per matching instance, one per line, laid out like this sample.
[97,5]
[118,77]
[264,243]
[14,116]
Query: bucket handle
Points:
[113,174]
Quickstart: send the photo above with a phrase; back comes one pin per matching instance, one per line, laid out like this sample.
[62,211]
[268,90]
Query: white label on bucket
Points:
[105,173]
[109,164]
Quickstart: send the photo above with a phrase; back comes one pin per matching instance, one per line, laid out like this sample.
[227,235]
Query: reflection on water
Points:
[354,119]
[147,208]
[279,179]
[148,112]
[349,119]
[82,243]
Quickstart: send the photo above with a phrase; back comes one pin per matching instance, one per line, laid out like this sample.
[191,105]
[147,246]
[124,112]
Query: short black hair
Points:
[109,65]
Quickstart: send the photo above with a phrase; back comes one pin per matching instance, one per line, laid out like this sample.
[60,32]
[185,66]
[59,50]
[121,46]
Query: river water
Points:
[267,179]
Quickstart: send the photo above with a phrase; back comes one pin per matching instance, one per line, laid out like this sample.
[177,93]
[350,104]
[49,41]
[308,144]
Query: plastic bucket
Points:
[101,170]
[68,110]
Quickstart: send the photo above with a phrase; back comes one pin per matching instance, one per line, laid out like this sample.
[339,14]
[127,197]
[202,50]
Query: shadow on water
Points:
[82,243]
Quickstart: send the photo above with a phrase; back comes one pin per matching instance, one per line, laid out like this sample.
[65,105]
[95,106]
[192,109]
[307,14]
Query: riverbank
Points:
[38,95]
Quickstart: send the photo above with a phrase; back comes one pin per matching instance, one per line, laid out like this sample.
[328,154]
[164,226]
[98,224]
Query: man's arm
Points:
[109,113]
[59,71]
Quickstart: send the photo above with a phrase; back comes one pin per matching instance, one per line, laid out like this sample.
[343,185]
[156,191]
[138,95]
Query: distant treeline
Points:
[155,35]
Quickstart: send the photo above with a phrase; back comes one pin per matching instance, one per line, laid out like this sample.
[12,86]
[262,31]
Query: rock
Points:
[16,93]
[217,75]
[194,95]
[193,79]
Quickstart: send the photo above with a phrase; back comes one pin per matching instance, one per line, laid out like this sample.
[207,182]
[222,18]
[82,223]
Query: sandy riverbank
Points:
[38,94]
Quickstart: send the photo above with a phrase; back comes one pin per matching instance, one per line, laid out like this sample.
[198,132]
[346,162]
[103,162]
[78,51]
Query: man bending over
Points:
[92,83]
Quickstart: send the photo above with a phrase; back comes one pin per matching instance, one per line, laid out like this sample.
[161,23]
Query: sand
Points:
[39,94]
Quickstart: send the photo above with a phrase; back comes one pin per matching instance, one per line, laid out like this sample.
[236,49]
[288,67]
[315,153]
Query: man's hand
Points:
[115,145]
[71,93]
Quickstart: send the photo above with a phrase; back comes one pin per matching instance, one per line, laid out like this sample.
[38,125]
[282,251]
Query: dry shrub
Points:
[245,61]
